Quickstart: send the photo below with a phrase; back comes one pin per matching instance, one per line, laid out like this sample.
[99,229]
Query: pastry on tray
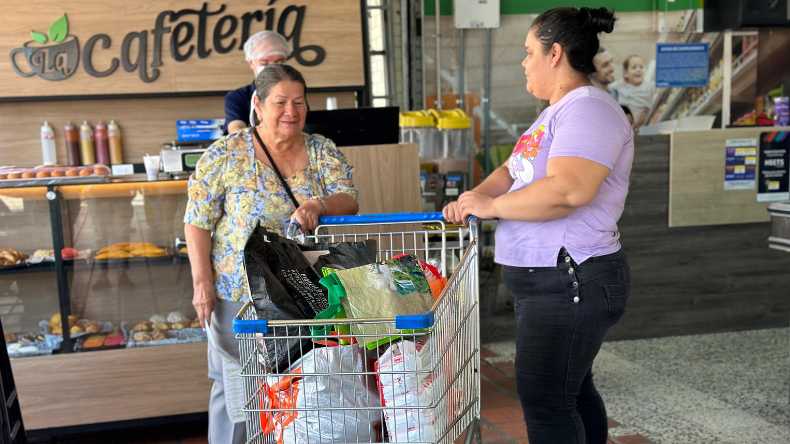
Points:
[142,336]
[143,326]
[128,250]
[114,340]
[162,325]
[94,341]
[9,256]
[159,335]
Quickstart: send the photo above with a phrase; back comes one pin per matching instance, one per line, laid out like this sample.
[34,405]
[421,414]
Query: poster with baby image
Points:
[627,71]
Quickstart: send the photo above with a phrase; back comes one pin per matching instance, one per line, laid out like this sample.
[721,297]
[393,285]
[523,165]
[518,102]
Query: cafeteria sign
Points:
[56,55]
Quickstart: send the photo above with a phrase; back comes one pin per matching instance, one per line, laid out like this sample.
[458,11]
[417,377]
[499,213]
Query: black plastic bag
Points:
[283,286]
[344,255]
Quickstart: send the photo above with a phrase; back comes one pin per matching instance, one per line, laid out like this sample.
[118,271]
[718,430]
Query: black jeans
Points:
[562,315]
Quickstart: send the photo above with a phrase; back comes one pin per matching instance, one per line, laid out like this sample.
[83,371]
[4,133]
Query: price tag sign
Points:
[126,169]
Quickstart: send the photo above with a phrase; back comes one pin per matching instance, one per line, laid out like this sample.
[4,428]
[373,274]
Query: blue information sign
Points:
[682,65]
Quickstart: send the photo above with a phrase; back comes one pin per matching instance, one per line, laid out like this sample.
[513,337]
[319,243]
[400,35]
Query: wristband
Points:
[321,199]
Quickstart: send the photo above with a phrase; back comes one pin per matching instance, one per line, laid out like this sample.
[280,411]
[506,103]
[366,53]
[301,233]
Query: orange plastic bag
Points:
[280,396]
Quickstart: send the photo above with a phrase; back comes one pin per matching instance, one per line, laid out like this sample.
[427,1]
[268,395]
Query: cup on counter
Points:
[331,103]
[151,166]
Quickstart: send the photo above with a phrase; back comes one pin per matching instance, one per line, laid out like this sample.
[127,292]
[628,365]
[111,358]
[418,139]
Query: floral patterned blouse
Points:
[230,189]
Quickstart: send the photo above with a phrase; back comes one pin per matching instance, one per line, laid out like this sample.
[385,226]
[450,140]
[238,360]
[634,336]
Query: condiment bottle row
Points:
[85,147]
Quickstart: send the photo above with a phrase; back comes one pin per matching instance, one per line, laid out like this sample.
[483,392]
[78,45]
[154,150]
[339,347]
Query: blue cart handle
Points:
[382,218]
[372,219]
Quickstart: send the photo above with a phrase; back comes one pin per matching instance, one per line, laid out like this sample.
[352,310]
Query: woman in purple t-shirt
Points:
[558,199]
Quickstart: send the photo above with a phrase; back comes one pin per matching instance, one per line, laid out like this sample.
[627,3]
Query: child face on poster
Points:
[634,70]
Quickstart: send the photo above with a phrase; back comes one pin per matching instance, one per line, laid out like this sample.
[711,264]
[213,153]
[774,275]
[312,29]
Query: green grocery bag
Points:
[392,288]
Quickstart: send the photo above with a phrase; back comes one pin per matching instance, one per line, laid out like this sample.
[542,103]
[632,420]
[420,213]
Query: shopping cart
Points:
[422,385]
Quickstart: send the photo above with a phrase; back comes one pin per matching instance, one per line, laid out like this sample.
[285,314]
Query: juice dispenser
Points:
[420,127]
[454,161]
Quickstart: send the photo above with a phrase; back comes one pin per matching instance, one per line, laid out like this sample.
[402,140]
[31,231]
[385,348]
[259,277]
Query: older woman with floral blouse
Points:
[270,175]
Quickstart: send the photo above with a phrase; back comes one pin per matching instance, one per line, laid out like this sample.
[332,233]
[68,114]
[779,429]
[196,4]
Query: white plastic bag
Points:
[412,388]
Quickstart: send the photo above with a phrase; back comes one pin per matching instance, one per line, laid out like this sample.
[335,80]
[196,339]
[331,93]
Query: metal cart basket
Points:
[420,384]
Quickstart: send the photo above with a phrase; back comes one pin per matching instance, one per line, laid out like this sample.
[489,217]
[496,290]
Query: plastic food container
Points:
[455,133]
[420,127]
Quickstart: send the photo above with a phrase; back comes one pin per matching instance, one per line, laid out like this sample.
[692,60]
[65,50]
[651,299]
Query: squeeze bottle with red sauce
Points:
[72,145]
[102,144]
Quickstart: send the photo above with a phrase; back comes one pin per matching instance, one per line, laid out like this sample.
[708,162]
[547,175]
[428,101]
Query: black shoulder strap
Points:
[274,167]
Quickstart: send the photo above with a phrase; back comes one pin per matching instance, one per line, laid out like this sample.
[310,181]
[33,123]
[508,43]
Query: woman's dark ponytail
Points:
[576,30]
[600,19]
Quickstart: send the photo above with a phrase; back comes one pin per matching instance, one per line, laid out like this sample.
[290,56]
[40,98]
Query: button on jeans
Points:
[562,316]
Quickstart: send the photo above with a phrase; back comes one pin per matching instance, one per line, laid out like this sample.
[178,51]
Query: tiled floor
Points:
[725,388]
[502,420]
[728,388]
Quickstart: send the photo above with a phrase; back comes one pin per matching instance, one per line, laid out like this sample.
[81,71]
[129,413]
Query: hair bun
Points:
[600,19]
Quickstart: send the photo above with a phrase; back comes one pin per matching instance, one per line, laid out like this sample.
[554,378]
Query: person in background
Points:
[558,199]
[261,49]
[630,116]
[634,90]
[604,71]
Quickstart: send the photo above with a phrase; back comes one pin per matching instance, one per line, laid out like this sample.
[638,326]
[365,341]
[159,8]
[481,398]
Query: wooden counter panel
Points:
[696,180]
[116,385]
[145,123]
[693,280]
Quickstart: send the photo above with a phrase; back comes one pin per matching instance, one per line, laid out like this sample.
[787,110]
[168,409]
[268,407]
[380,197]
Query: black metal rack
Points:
[12,428]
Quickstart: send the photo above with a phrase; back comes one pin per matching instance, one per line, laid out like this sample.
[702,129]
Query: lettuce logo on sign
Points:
[187,33]
[56,61]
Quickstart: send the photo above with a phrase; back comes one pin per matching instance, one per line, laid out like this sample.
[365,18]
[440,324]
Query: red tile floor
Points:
[502,421]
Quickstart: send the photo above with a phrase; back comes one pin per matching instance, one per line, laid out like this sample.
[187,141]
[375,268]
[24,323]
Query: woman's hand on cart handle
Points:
[204,300]
[469,204]
[308,213]
[452,213]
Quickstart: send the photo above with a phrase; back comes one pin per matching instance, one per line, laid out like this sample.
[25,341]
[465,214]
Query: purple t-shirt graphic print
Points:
[586,123]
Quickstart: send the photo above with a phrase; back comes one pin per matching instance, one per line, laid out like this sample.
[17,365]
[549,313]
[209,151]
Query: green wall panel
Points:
[538,6]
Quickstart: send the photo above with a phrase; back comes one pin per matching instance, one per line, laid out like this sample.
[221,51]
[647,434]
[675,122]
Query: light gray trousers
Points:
[221,430]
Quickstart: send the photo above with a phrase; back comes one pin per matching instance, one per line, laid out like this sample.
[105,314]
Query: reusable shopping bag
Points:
[392,288]
[283,286]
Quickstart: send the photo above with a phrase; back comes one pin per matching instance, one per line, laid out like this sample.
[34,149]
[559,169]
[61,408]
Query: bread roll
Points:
[142,336]
[159,335]
[143,326]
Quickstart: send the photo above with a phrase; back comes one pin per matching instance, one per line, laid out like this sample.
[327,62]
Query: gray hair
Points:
[272,75]
[266,43]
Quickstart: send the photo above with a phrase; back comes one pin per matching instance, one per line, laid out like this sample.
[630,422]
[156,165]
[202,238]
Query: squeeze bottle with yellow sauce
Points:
[86,144]
[116,152]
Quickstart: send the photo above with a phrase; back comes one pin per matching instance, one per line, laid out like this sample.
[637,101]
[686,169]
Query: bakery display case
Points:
[100,268]
[122,279]
[137,277]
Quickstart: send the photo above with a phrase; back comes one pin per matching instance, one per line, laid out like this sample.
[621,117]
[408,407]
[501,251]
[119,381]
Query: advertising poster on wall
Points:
[773,184]
[741,161]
